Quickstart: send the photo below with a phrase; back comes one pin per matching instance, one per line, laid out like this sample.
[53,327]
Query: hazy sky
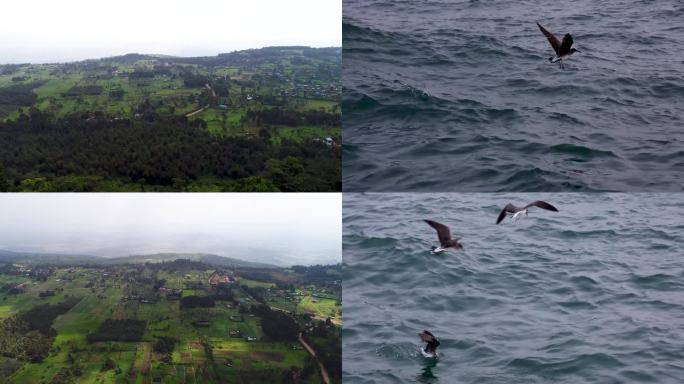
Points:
[48,30]
[279,228]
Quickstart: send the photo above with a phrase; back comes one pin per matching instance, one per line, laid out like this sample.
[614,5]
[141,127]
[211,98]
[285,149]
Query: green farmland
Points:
[171,322]
[255,120]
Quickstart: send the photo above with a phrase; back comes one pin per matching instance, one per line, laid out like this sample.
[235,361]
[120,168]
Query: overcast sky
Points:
[279,228]
[40,31]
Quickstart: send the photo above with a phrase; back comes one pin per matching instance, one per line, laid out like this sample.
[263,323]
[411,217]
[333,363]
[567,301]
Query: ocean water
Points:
[591,294]
[459,96]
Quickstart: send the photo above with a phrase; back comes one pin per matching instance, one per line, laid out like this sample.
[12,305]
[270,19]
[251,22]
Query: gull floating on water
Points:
[563,49]
[444,235]
[517,212]
[430,349]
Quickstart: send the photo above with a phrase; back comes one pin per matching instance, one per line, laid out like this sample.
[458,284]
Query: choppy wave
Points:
[593,293]
[425,80]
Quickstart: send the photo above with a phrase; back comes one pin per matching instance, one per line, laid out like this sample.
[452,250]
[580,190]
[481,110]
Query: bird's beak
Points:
[577,50]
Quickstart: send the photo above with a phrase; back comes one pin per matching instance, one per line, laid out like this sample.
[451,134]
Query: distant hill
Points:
[53,258]
[65,259]
[200,257]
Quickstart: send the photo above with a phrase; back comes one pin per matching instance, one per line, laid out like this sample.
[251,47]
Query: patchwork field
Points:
[154,324]
[184,124]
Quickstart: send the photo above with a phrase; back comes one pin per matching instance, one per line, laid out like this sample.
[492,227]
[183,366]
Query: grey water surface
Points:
[591,294]
[460,96]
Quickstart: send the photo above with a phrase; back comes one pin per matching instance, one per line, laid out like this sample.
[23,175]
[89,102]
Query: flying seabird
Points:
[518,211]
[430,349]
[563,49]
[444,235]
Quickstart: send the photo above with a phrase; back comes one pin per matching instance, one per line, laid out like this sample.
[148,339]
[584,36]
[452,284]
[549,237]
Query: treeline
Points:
[223,293]
[82,90]
[277,325]
[118,330]
[20,94]
[326,340]
[28,336]
[197,302]
[79,154]
[193,80]
[257,293]
[40,318]
[292,118]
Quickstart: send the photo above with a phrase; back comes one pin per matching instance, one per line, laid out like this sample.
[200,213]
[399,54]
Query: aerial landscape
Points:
[173,321]
[252,120]
[90,316]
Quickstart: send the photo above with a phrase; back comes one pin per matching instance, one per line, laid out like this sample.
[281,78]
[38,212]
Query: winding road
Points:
[324,372]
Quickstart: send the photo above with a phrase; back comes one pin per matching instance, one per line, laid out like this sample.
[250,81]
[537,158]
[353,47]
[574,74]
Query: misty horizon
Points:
[155,54]
[248,227]
[96,29]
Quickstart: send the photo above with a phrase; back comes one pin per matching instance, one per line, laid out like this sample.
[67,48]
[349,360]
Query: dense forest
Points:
[96,155]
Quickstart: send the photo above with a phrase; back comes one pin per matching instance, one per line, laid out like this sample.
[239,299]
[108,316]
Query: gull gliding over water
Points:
[517,212]
[444,235]
[563,49]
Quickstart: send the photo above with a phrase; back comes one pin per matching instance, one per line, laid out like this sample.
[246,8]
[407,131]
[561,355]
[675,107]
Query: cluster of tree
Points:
[292,118]
[8,69]
[38,272]
[258,274]
[221,87]
[197,302]
[20,94]
[223,293]
[40,318]
[326,339]
[117,93]
[277,325]
[82,90]
[318,274]
[77,154]
[29,335]
[310,369]
[118,330]
[142,74]
[11,289]
[193,80]
[178,265]
[108,365]
[257,293]
[165,345]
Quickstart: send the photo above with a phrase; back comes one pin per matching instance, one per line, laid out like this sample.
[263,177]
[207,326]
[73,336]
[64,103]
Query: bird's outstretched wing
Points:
[427,336]
[565,45]
[443,232]
[508,208]
[552,39]
[542,205]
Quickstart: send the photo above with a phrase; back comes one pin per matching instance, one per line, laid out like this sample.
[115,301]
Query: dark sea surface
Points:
[459,96]
[591,294]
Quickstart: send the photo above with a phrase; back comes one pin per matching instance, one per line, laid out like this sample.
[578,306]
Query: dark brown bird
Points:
[444,235]
[430,349]
[563,49]
[517,211]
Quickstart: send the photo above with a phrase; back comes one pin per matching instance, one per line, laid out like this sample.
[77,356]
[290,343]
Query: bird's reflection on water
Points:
[426,375]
